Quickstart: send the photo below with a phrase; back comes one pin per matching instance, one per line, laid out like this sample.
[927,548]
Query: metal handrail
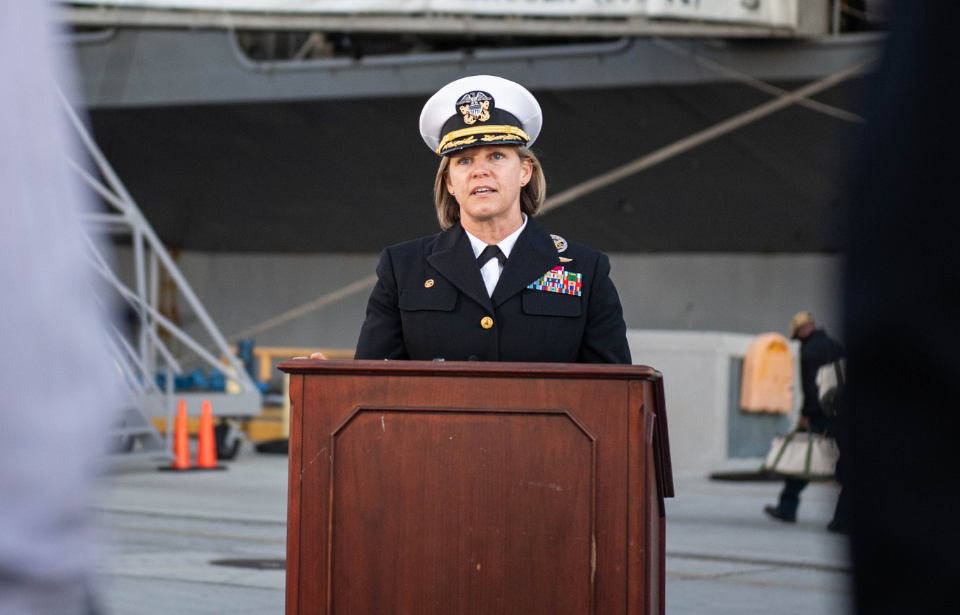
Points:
[121,199]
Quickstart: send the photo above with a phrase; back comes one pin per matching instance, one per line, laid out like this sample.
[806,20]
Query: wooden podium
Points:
[438,488]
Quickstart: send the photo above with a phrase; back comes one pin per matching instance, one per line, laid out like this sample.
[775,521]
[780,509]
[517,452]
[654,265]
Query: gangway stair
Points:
[133,434]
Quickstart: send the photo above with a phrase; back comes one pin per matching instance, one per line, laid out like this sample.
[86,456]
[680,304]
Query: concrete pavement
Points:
[724,557]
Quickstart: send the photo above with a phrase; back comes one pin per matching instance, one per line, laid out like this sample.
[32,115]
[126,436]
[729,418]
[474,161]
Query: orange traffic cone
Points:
[206,442]
[181,439]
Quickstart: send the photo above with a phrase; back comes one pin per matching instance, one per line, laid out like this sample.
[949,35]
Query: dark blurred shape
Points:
[903,322]
[862,15]
[279,446]
[245,354]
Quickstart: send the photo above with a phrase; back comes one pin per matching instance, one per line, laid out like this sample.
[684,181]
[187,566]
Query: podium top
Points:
[473,368]
[490,369]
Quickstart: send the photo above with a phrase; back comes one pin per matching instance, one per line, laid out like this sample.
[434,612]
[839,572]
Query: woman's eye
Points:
[462,161]
[497,156]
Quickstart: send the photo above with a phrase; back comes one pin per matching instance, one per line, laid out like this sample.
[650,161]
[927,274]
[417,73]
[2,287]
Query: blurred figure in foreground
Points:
[902,319]
[816,350]
[57,390]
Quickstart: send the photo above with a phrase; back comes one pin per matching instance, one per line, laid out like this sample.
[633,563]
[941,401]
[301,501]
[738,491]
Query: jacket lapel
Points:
[453,257]
[532,256]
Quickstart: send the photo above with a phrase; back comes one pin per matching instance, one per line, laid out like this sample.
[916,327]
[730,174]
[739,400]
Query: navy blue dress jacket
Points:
[430,303]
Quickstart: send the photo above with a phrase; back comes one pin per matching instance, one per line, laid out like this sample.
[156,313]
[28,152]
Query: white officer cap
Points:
[480,110]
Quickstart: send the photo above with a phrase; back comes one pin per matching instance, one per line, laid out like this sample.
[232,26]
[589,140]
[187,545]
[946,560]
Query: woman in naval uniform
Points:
[494,285]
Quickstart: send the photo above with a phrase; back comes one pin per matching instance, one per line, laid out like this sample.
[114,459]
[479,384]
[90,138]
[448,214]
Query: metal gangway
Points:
[147,355]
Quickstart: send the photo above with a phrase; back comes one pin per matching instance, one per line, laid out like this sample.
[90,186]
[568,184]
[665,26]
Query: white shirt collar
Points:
[506,245]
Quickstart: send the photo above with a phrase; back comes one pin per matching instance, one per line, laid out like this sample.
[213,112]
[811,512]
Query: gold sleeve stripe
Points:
[481,130]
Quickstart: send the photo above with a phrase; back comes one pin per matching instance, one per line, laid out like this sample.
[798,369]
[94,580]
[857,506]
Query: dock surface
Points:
[724,557]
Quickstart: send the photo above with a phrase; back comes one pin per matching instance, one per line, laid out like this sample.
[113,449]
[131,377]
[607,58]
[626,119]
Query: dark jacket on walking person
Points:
[816,350]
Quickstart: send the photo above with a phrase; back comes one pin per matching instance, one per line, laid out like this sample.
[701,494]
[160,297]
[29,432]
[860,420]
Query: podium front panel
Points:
[485,512]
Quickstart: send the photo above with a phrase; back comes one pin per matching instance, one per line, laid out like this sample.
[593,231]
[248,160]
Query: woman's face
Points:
[486,182]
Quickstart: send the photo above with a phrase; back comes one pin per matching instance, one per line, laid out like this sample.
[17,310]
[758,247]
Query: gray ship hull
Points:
[223,153]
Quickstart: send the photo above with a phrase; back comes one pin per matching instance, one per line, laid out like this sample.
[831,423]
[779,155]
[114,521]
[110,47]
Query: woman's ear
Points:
[526,172]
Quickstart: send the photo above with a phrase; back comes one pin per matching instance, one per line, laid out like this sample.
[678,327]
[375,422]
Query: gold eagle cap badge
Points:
[560,242]
[475,106]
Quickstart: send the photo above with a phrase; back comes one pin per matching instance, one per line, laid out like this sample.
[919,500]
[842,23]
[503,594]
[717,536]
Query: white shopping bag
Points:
[802,454]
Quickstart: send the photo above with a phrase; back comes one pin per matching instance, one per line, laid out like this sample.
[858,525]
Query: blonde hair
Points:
[532,195]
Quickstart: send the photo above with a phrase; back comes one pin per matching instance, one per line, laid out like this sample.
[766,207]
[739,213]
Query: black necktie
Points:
[491,252]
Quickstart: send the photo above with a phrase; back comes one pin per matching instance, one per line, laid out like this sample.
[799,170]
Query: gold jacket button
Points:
[428,283]
[486,322]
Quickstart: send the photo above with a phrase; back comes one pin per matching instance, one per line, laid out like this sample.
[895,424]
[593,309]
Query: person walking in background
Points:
[816,350]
